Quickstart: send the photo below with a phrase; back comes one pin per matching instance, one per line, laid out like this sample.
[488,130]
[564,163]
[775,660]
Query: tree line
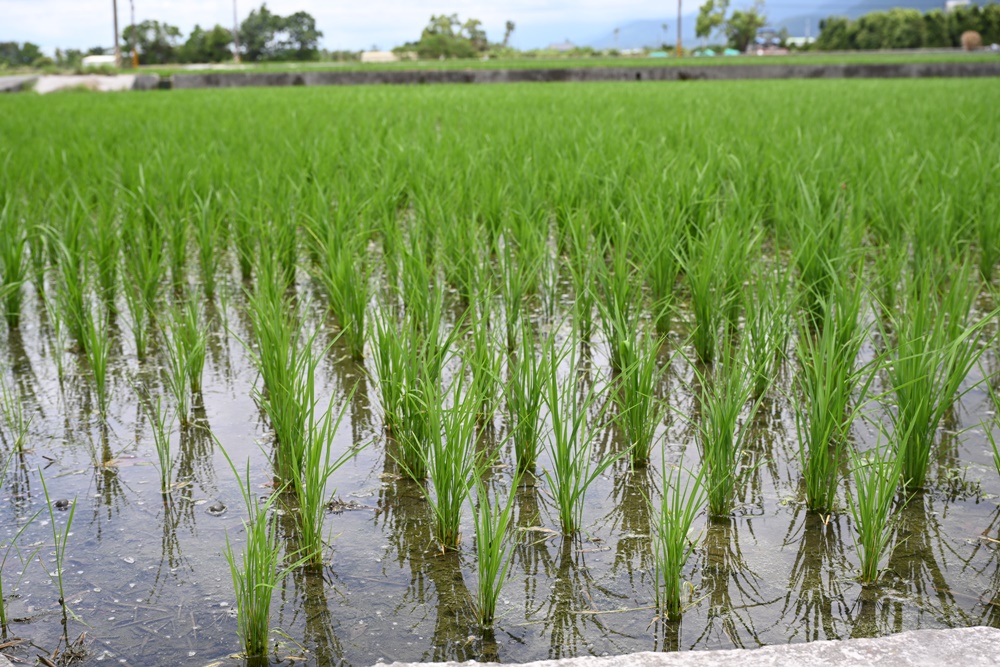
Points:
[909,29]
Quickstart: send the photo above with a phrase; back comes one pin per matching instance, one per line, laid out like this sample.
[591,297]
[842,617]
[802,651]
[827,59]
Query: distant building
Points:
[562,47]
[799,42]
[379,57]
[97,61]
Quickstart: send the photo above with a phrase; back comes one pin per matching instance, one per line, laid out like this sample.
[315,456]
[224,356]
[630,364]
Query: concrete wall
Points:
[669,73]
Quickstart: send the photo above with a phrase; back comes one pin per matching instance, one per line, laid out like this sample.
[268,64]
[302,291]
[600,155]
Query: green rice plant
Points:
[387,343]
[284,359]
[244,232]
[639,411]
[723,434]
[346,276]
[74,274]
[516,277]
[318,464]
[97,346]
[833,390]
[485,359]
[257,572]
[145,263]
[177,378]
[13,264]
[493,548]
[703,260]
[105,246]
[935,347]
[186,340]
[622,294]
[570,440]
[765,331]
[60,539]
[209,230]
[528,375]
[659,247]
[877,478]
[583,262]
[680,504]
[449,455]
[161,425]
[16,421]
[138,320]
[177,234]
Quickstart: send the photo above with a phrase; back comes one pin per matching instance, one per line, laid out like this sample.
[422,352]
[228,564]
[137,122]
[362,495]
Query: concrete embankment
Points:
[582,74]
[968,647]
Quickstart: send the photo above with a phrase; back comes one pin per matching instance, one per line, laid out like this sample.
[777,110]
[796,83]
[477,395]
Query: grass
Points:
[679,505]
[877,478]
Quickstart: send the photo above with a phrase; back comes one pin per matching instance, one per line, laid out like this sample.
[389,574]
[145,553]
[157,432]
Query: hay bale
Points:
[971,40]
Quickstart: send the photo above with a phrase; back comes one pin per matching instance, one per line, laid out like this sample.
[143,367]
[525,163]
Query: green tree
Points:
[13,54]
[156,42]
[265,35]
[508,30]
[742,26]
[447,37]
[207,46]
[711,17]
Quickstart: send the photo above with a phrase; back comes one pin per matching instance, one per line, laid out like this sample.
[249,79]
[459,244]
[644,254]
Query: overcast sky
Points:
[346,25]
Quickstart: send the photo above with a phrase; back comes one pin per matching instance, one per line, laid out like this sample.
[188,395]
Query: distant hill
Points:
[642,33]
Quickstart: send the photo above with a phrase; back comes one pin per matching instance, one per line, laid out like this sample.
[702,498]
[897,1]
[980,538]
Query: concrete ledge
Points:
[967,647]
[15,84]
[669,73]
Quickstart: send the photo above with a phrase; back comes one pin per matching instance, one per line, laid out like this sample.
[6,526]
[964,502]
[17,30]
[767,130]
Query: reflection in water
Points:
[814,603]
[918,564]
[630,520]
[531,555]
[732,590]
[311,583]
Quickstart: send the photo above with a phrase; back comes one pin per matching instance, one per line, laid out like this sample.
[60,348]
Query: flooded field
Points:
[478,229]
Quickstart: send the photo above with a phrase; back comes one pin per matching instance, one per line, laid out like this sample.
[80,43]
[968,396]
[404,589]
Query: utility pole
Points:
[680,51]
[135,39]
[236,36]
[118,49]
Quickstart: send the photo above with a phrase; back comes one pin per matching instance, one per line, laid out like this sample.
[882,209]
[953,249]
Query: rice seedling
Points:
[311,487]
[833,391]
[60,539]
[493,548]
[346,276]
[97,346]
[723,434]
[570,440]
[388,361]
[516,277]
[450,457]
[528,374]
[16,420]
[186,342]
[877,478]
[106,247]
[13,264]
[639,411]
[257,572]
[145,264]
[286,363]
[765,331]
[485,360]
[702,269]
[11,545]
[209,231]
[935,347]
[583,263]
[161,425]
[680,504]
[660,246]
[72,287]
[622,298]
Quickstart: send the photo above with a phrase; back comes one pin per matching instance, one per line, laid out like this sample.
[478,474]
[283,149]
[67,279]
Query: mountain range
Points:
[799,20]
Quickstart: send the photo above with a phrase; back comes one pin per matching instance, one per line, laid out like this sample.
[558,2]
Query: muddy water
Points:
[146,581]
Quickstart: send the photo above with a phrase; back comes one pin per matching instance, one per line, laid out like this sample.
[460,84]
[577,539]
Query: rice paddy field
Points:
[499,373]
